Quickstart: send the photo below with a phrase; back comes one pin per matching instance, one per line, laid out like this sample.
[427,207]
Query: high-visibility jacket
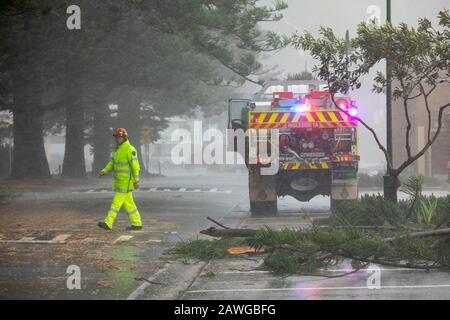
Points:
[125,165]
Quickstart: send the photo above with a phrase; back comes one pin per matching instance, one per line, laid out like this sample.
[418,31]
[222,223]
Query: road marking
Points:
[26,239]
[60,239]
[140,290]
[321,288]
[88,240]
[156,189]
[248,271]
[322,270]
[123,238]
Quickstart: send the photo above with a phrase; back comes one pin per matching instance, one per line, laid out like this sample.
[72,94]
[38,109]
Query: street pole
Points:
[388,94]
[390,182]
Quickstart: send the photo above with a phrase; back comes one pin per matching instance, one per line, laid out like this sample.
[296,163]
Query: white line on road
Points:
[154,189]
[123,238]
[321,288]
[332,270]
[140,290]
[154,240]
[60,239]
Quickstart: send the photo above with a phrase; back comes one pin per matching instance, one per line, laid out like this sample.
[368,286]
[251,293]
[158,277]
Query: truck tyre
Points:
[334,204]
[262,192]
[263,208]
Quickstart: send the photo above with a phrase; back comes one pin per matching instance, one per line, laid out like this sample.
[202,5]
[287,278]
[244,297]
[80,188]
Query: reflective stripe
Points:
[122,190]
[120,163]
[135,210]
[135,159]
[122,171]
[114,210]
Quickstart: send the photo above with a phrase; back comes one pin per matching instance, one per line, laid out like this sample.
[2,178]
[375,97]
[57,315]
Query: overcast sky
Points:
[342,15]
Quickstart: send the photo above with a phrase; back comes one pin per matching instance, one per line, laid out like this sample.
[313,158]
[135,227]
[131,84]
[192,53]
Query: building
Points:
[434,161]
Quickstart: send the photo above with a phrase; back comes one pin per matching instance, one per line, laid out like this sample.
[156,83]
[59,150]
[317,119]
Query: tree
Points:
[123,48]
[419,59]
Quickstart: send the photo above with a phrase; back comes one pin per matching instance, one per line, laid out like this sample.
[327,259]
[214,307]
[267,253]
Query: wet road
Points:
[42,233]
[172,209]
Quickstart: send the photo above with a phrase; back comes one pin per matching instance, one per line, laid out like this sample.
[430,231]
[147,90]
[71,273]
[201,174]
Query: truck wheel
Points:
[263,208]
[262,192]
[334,204]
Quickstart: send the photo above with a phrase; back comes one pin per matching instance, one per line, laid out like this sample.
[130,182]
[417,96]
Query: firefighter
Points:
[126,168]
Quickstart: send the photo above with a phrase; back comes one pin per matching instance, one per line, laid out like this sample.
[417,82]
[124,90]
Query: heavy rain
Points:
[224,150]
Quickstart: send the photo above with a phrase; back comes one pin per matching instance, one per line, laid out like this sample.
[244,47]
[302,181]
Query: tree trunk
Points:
[391,184]
[128,118]
[74,163]
[102,136]
[29,158]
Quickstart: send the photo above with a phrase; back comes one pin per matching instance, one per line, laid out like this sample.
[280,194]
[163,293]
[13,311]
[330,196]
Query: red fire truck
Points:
[296,144]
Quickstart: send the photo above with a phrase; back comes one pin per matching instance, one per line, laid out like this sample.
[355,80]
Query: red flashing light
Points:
[342,103]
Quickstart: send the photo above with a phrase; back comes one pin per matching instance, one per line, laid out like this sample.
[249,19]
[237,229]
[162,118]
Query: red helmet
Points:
[121,132]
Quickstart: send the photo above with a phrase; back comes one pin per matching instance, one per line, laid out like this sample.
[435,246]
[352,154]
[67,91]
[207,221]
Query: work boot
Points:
[103,225]
[134,228]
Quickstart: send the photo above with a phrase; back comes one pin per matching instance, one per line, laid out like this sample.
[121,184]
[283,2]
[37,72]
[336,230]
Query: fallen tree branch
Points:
[151,282]
[421,234]
[219,224]
[228,233]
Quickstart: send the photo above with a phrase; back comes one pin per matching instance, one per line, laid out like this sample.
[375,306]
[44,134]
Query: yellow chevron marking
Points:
[296,117]
[261,117]
[333,116]
[309,117]
[284,118]
[273,117]
[321,116]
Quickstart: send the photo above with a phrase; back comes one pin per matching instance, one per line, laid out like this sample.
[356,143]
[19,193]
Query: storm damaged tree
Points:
[419,60]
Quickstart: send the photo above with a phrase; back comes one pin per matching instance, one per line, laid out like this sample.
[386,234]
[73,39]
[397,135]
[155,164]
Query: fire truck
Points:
[317,144]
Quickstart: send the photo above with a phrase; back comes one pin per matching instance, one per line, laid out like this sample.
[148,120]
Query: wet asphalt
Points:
[43,234]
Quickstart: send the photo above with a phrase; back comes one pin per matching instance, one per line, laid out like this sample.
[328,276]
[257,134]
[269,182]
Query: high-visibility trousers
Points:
[125,199]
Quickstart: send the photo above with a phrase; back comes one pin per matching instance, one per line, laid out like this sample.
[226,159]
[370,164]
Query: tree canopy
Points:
[419,62]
